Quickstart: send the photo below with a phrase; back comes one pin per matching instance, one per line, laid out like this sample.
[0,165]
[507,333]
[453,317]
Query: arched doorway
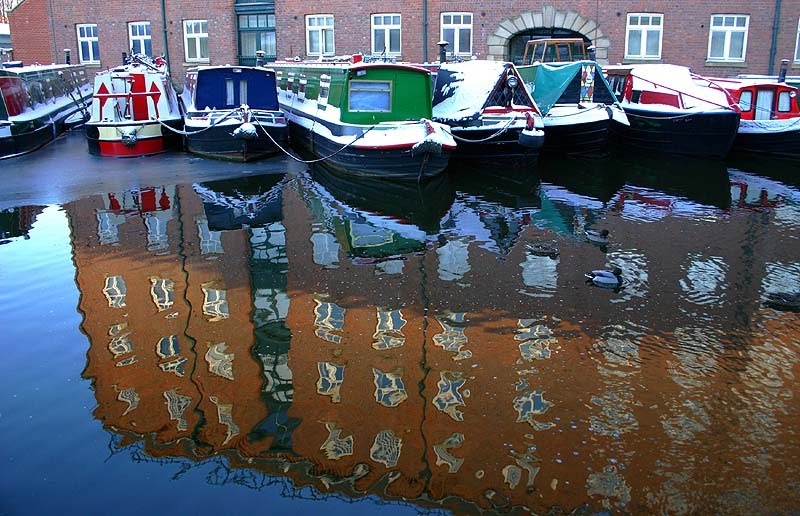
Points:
[516,44]
[543,23]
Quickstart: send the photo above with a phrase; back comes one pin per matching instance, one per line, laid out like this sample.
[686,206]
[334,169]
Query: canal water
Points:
[189,336]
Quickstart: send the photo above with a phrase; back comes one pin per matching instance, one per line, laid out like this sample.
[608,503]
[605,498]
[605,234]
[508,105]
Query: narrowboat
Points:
[770,121]
[672,110]
[232,113]
[368,119]
[38,103]
[488,110]
[578,105]
[135,110]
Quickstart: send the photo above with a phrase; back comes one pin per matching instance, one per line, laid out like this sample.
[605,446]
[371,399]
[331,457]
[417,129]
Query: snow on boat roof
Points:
[677,79]
[34,68]
[455,97]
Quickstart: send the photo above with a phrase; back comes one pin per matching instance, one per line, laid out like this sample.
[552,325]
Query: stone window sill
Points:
[727,64]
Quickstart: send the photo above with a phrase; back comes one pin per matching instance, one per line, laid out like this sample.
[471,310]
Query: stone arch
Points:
[548,17]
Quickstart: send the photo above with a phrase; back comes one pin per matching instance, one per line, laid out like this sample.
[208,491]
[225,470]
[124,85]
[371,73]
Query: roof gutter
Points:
[164,27]
[773,50]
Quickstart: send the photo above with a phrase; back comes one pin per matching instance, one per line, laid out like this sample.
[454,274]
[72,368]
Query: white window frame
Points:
[143,39]
[192,36]
[797,44]
[457,27]
[93,38]
[379,23]
[644,30]
[728,30]
[320,24]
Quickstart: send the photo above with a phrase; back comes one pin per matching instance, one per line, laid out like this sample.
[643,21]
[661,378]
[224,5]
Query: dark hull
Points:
[584,140]
[169,140]
[29,136]
[709,134]
[391,163]
[218,143]
[469,144]
[785,144]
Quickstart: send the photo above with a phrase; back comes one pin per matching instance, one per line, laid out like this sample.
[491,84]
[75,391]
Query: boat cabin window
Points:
[370,96]
[229,92]
[242,92]
[784,101]
[746,100]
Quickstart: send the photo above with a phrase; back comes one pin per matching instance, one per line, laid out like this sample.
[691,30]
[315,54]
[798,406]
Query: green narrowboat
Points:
[367,119]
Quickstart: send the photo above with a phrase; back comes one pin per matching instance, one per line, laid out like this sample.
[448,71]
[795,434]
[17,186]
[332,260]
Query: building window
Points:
[643,36]
[139,36]
[256,32]
[457,31]
[319,35]
[195,40]
[88,44]
[727,40]
[386,34]
[797,45]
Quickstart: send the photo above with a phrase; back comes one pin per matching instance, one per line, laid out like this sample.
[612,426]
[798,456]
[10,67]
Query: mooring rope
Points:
[495,135]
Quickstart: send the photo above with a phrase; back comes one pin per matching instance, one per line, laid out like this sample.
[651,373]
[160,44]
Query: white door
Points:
[764,100]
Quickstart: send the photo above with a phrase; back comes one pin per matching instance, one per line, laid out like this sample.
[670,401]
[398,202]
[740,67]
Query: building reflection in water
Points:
[454,362]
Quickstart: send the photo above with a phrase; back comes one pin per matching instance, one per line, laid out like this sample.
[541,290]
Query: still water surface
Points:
[188,336]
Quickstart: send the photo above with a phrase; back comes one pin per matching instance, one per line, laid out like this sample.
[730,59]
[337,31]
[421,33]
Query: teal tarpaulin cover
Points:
[547,82]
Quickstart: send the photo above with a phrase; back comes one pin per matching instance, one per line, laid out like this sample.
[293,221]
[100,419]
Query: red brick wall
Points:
[685,27]
[31,36]
[34,41]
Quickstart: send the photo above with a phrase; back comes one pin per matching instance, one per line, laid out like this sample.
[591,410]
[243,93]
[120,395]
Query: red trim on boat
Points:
[143,147]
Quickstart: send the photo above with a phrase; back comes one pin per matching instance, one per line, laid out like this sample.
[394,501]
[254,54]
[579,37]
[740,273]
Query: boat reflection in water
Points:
[470,378]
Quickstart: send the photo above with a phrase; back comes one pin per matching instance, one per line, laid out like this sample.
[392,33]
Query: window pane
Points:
[746,100]
[467,19]
[449,36]
[447,19]
[328,40]
[95,50]
[737,45]
[243,22]
[248,43]
[394,40]
[313,42]
[784,102]
[717,44]
[84,51]
[728,21]
[652,43]
[741,21]
[268,43]
[377,37]
[203,48]
[635,42]
[465,40]
[634,20]
[716,21]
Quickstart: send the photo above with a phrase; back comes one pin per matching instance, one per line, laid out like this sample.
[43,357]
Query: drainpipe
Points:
[774,47]
[424,31]
[164,26]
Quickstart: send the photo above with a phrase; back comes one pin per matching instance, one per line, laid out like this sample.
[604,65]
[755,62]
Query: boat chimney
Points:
[260,57]
[124,59]
[784,69]
[443,51]
[66,55]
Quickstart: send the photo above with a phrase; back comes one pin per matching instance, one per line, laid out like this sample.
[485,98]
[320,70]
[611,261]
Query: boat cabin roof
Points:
[551,50]
[464,89]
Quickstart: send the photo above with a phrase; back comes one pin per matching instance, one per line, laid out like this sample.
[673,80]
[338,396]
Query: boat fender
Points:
[128,136]
[430,144]
[246,131]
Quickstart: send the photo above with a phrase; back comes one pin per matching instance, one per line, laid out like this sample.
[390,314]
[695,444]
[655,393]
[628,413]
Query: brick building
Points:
[743,37]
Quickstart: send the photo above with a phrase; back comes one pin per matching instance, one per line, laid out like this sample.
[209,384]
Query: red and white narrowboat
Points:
[135,110]
[770,121]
